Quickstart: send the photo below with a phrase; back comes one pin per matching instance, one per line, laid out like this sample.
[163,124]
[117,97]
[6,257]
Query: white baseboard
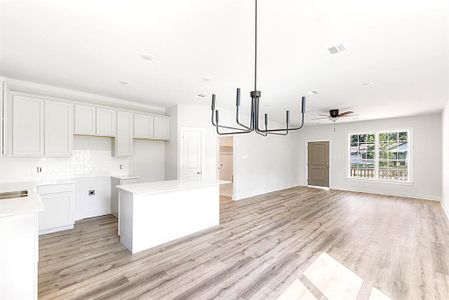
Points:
[94,213]
[249,195]
[379,192]
[445,209]
[318,187]
[51,230]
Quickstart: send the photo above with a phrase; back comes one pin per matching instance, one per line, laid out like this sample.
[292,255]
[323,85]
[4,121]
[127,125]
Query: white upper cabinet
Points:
[58,128]
[161,128]
[106,122]
[143,126]
[26,126]
[85,119]
[123,143]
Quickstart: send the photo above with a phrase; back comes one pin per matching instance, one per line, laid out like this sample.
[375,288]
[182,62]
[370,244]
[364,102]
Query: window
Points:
[381,156]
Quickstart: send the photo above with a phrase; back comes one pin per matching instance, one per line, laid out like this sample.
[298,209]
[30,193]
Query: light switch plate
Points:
[244,156]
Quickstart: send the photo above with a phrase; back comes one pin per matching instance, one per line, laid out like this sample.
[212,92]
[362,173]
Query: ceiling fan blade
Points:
[345,113]
[320,118]
[327,116]
[349,116]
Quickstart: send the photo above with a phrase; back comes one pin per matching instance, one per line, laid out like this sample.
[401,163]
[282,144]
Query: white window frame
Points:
[376,156]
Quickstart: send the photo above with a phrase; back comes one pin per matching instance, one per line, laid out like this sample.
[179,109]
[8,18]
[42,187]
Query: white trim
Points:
[318,187]
[445,209]
[378,191]
[250,195]
[307,161]
[51,230]
[410,161]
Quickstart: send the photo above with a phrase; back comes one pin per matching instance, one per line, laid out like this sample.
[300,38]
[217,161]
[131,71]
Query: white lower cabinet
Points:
[59,207]
[114,191]
[19,255]
[123,143]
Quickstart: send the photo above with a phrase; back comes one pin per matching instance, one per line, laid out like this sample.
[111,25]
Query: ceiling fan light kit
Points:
[255,105]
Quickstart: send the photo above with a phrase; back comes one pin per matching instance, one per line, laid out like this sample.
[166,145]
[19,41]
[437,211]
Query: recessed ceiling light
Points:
[123,82]
[366,83]
[147,56]
[207,79]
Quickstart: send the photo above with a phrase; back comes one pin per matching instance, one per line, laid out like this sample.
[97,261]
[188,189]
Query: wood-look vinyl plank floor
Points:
[263,246]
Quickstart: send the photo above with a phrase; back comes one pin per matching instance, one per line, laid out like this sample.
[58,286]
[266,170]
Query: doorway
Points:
[318,164]
[226,165]
[191,157]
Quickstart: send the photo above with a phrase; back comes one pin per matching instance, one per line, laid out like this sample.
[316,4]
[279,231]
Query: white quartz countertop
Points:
[21,205]
[125,177]
[147,188]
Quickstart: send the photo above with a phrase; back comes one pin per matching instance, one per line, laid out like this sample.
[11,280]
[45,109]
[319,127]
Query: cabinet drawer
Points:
[56,188]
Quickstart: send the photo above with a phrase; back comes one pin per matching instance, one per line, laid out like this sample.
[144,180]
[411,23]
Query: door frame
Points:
[233,161]
[203,148]
[306,163]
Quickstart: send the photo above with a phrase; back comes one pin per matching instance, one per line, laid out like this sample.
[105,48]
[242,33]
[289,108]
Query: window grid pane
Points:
[362,156]
[393,156]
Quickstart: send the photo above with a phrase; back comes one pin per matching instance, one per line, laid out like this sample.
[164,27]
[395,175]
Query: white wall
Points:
[426,153]
[148,161]
[264,164]
[445,138]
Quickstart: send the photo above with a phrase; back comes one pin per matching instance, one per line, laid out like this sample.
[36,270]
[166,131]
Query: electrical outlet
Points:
[121,167]
[39,169]
[91,192]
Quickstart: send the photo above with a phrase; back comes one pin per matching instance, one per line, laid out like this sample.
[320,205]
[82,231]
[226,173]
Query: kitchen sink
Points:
[14,194]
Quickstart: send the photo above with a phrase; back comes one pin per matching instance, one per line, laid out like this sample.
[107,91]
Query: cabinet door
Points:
[143,126]
[57,212]
[27,126]
[106,119]
[123,143]
[58,128]
[85,119]
[161,128]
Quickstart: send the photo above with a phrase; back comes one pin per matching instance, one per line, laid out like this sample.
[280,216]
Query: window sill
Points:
[380,181]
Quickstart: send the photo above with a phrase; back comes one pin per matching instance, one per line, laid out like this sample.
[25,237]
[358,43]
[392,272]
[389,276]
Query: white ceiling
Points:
[400,46]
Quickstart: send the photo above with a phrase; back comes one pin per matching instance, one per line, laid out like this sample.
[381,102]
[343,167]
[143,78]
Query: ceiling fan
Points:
[334,115]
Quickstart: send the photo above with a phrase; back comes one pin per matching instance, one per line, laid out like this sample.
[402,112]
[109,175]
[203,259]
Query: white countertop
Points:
[23,205]
[147,188]
[125,177]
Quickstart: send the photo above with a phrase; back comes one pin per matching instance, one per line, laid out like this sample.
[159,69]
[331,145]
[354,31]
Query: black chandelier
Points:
[254,117]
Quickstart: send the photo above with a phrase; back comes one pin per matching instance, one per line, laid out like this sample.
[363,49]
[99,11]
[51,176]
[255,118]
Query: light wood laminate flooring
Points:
[301,241]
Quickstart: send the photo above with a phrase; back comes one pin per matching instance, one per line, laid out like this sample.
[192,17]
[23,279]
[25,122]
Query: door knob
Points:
[199,172]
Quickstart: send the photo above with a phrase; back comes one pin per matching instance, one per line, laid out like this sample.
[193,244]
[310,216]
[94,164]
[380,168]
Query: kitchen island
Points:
[154,213]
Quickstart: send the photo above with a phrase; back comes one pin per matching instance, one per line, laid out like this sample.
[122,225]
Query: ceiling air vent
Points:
[336,49]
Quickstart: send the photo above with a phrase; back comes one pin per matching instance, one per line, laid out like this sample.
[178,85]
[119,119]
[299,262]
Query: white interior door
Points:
[191,153]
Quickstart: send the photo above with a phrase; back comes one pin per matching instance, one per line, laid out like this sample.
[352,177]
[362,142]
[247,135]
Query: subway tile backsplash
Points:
[82,163]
